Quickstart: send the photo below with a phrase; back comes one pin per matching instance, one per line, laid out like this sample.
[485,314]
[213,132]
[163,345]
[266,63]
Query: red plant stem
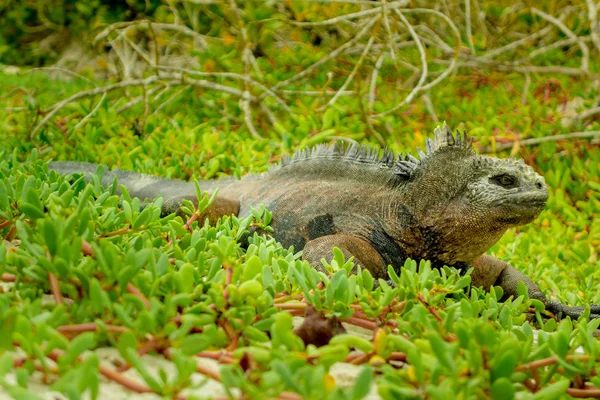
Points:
[201,369]
[432,310]
[134,291]
[548,361]
[86,248]
[190,221]
[353,356]
[398,307]
[397,356]
[229,331]
[55,288]
[361,315]
[4,224]
[289,396]
[19,362]
[283,298]
[111,374]
[11,233]
[118,232]
[360,322]
[6,277]
[359,360]
[228,277]
[588,392]
[291,306]
[124,381]
[89,327]
[151,344]
[233,343]
[221,356]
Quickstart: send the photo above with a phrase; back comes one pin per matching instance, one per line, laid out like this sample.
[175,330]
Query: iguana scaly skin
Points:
[448,206]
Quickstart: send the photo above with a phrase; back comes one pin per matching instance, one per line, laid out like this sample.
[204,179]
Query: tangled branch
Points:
[418,48]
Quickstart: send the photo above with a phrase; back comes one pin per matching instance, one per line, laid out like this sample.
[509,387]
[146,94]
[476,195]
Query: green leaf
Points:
[353,341]
[252,267]
[504,365]
[31,211]
[81,343]
[362,385]
[503,389]
[4,205]
[442,351]
[51,236]
[194,344]
[553,391]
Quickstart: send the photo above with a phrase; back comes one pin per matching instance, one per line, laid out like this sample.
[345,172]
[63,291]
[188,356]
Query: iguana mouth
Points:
[526,208]
[524,201]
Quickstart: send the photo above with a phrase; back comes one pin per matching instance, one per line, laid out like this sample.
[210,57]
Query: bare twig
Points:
[533,69]
[429,106]
[356,15]
[453,61]
[423,77]
[64,71]
[525,88]
[556,45]
[352,73]
[386,23]
[521,42]
[135,291]
[588,113]
[92,112]
[160,26]
[594,24]
[373,81]
[93,92]
[323,60]
[139,99]
[245,106]
[468,26]
[536,141]
[232,75]
[584,49]
[55,288]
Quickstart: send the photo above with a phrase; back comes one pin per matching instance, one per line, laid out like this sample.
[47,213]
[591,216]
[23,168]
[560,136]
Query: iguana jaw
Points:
[520,213]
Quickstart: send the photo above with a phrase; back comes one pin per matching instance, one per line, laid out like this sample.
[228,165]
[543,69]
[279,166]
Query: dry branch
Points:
[536,141]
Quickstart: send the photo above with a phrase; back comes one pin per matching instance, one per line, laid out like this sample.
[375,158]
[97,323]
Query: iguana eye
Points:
[505,180]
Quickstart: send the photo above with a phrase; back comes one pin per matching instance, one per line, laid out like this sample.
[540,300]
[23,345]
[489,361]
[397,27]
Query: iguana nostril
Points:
[539,185]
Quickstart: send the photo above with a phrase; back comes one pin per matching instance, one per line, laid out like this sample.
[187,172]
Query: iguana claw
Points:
[562,311]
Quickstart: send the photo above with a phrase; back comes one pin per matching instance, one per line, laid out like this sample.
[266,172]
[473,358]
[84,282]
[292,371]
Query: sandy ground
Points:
[344,375]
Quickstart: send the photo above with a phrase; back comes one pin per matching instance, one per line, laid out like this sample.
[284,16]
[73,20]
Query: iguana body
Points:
[449,206]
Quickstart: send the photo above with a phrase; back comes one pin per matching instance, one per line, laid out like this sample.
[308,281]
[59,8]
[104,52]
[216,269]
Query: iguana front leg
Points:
[491,271]
[351,246]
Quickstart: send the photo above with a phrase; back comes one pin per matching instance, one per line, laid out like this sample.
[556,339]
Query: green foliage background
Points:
[477,347]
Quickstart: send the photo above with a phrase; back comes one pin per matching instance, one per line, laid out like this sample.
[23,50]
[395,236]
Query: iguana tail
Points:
[138,185]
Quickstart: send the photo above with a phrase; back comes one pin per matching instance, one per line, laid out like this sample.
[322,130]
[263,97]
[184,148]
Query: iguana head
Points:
[465,201]
[507,191]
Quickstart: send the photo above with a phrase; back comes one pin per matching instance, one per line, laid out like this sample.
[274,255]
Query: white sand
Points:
[344,375]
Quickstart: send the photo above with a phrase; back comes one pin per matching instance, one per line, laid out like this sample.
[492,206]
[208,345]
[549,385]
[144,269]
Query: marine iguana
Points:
[448,206]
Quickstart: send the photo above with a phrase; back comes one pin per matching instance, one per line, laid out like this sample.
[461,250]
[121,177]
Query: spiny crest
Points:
[354,153]
[403,166]
[442,138]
